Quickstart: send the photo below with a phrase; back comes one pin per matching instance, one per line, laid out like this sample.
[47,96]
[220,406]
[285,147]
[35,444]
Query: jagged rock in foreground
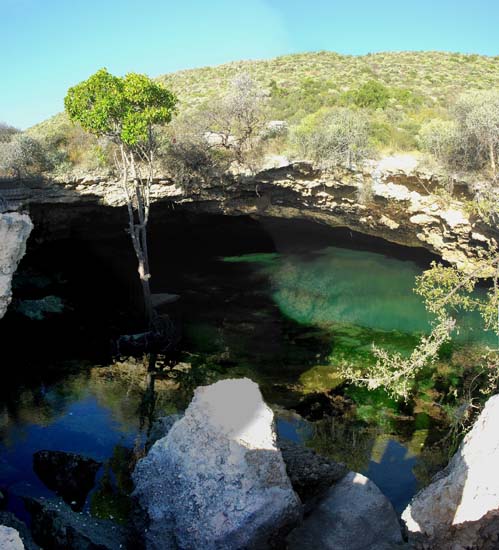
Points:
[353,515]
[311,474]
[217,480]
[460,509]
[15,229]
[10,539]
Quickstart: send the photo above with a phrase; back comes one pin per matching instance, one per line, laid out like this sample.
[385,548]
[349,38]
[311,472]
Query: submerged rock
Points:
[10,539]
[460,508]
[311,474]
[354,515]
[217,480]
[15,229]
[56,527]
[70,475]
[37,310]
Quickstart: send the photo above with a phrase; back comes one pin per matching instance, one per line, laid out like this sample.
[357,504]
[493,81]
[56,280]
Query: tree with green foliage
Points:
[126,110]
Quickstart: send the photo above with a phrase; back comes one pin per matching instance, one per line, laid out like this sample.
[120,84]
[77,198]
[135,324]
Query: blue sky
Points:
[49,45]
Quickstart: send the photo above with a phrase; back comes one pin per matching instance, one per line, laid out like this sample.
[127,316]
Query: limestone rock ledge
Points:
[15,229]
[400,204]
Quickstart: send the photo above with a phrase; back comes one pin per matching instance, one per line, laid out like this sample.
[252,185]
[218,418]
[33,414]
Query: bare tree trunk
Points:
[492,159]
[145,275]
[137,228]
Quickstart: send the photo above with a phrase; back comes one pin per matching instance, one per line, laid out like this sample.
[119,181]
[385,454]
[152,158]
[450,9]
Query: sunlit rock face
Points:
[394,198]
[15,229]
[460,509]
[217,480]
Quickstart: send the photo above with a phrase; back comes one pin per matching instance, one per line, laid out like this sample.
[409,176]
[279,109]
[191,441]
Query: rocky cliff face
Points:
[395,202]
[15,229]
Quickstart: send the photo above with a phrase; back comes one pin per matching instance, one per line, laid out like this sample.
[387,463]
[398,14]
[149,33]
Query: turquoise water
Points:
[366,289]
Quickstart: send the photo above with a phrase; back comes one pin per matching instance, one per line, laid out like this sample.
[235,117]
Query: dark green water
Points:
[284,316]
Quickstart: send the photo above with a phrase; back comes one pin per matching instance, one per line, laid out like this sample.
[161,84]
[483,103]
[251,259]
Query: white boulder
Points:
[460,508]
[217,479]
[10,539]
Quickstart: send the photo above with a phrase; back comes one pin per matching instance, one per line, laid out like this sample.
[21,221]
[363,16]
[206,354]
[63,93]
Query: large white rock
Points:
[15,229]
[460,507]
[10,539]
[217,480]
[353,515]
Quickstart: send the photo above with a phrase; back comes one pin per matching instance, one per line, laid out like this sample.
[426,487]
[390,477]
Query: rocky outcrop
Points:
[311,474]
[217,480]
[353,515]
[460,508]
[15,229]
[393,199]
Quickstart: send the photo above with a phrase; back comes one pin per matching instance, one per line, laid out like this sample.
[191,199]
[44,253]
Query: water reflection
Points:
[97,412]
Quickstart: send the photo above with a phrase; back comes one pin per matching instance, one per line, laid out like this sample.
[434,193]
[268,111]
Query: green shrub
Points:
[333,136]
[23,156]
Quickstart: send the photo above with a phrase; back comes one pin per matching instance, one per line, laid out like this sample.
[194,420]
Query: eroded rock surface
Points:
[393,199]
[217,480]
[354,515]
[10,539]
[15,229]
[460,509]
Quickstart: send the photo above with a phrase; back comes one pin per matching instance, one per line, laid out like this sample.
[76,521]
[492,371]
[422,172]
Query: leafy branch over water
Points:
[446,291]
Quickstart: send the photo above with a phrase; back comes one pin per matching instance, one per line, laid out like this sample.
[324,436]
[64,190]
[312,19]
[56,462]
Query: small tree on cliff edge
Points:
[126,110]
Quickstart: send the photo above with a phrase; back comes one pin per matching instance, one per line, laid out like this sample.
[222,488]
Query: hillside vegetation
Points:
[314,80]
[391,102]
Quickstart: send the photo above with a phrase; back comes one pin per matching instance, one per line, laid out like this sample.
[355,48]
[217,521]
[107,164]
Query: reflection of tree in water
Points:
[125,386]
[343,440]
[111,500]
[40,404]
[430,461]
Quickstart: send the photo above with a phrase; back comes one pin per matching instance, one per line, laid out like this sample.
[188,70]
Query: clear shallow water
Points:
[339,285]
[284,320]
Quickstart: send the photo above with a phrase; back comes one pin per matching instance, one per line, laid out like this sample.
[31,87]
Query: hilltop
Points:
[434,77]
[392,100]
